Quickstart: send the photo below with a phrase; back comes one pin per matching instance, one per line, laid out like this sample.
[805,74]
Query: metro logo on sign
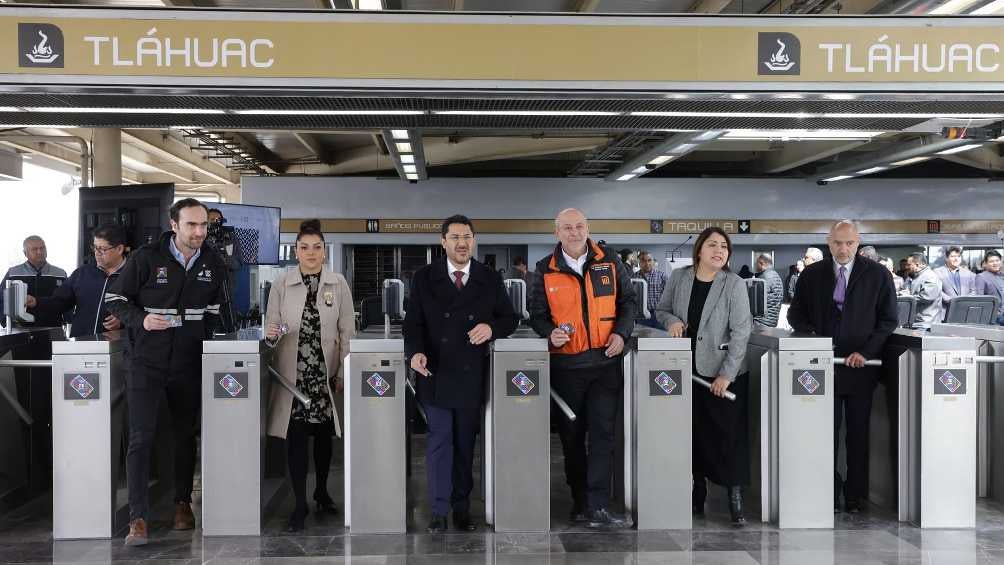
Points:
[39,45]
[778,53]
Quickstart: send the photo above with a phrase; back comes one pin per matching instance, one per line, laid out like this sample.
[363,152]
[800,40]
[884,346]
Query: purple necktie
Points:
[458,279]
[840,292]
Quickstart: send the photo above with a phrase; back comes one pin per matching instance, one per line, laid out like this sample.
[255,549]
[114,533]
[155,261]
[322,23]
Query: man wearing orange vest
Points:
[583,303]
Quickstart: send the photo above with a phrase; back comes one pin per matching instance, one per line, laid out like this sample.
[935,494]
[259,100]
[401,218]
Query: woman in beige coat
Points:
[314,306]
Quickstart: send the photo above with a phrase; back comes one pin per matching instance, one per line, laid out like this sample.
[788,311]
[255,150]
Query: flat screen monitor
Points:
[257,230]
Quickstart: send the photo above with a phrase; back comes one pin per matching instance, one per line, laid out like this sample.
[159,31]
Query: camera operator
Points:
[223,239]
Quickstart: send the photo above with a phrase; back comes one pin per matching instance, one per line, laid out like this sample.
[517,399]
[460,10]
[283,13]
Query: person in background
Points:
[850,299]
[656,280]
[35,269]
[84,292]
[793,278]
[956,280]
[896,279]
[775,291]
[926,286]
[315,306]
[991,281]
[710,305]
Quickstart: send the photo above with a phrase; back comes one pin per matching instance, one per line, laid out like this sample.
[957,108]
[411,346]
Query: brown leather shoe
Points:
[137,533]
[183,517]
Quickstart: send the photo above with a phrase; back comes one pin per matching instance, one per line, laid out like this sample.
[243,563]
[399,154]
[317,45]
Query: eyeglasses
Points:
[103,250]
[458,238]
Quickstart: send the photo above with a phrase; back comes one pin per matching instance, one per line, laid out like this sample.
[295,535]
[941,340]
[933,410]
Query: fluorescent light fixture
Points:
[8,109]
[661,160]
[71,110]
[626,177]
[838,178]
[640,171]
[952,7]
[816,134]
[407,158]
[683,148]
[329,112]
[411,176]
[909,161]
[960,148]
[521,113]
[871,171]
[403,147]
[708,135]
[991,8]
[805,115]
[369,5]
[409,169]
[399,133]
[840,96]
[739,96]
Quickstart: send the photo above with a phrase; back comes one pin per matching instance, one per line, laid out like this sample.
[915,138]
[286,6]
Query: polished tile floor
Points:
[870,538]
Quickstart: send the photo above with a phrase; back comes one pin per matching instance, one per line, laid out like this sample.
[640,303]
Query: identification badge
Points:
[329,297]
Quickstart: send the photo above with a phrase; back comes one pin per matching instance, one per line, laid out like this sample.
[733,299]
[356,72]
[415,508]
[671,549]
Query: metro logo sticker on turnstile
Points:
[376,384]
[808,382]
[950,381]
[230,385]
[665,383]
[522,383]
[81,386]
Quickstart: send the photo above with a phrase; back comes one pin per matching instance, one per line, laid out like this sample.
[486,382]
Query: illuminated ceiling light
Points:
[683,148]
[407,159]
[640,171]
[403,147]
[805,115]
[989,9]
[871,171]
[409,168]
[739,96]
[329,112]
[626,177]
[960,148]
[71,110]
[909,161]
[369,5]
[661,160]
[411,176]
[953,7]
[818,134]
[838,178]
[521,113]
[840,96]
[8,109]
[399,133]
[708,136]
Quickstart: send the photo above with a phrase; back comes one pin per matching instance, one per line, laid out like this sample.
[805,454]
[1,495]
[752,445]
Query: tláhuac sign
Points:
[163,43]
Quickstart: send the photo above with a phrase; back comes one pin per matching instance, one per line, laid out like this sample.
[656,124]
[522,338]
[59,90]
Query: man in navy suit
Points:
[456,306]
[955,280]
[852,300]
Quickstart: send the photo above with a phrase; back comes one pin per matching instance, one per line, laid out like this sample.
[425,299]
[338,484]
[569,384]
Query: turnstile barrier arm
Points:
[414,394]
[26,363]
[989,359]
[18,409]
[14,404]
[728,394]
[868,363]
[563,405]
[300,397]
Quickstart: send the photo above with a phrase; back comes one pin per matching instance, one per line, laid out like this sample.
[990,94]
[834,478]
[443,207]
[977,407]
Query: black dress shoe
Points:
[700,494]
[462,522]
[736,506]
[324,504]
[437,525]
[297,519]
[603,519]
[853,506]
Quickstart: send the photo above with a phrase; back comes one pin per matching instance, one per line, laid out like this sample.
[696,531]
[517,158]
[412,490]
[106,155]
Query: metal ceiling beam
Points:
[987,158]
[709,6]
[925,146]
[313,144]
[794,155]
[166,147]
[269,160]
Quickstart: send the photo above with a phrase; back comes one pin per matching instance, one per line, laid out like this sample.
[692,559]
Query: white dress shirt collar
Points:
[575,264]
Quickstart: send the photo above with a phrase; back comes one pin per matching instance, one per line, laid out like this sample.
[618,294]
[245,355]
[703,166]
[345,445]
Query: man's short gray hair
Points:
[30,238]
[814,253]
[766,259]
[869,252]
[557,224]
[845,223]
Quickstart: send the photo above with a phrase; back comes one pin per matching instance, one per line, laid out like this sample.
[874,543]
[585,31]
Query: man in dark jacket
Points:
[456,306]
[168,296]
[84,292]
[584,304]
[775,291]
[852,300]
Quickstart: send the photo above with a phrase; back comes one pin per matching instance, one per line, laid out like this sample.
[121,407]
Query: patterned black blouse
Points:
[311,373]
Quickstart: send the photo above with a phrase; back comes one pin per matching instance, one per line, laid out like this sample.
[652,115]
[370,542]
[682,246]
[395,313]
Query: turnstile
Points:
[517,442]
[234,395]
[658,421]
[375,483]
[88,421]
[989,396]
[935,398]
[791,427]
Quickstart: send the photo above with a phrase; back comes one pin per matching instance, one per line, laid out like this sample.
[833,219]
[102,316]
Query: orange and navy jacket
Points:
[597,304]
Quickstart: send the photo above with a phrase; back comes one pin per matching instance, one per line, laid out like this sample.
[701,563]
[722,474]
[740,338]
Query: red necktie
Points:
[458,277]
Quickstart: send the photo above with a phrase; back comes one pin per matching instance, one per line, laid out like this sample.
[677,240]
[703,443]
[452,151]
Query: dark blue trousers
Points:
[449,456]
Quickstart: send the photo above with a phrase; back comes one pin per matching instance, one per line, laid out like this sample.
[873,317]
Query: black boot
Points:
[699,496]
[736,506]
[297,520]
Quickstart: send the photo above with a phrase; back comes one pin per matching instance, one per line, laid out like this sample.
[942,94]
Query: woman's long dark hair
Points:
[704,237]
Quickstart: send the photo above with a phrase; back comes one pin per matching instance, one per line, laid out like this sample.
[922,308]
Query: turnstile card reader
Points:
[658,428]
[517,436]
[937,429]
[375,482]
[792,426]
[234,396]
[88,417]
